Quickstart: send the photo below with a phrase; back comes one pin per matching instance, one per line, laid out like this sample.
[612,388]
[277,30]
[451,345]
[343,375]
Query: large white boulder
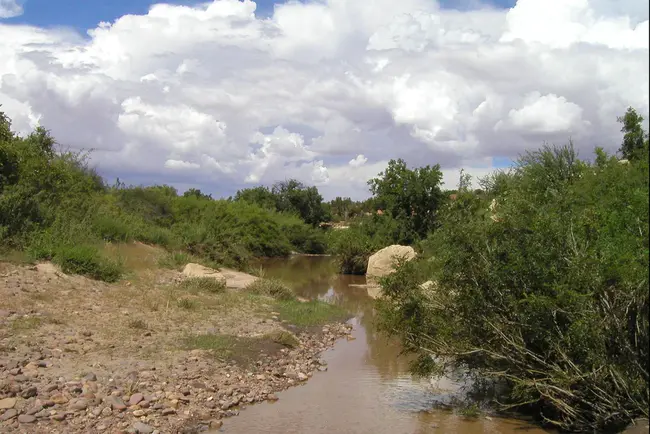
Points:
[383,262]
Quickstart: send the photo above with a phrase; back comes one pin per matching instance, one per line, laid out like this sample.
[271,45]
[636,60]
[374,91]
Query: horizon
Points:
[224,95]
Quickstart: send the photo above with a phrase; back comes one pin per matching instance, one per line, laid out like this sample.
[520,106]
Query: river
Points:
[367,388]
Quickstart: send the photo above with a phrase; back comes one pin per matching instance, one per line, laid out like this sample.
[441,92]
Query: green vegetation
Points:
[542,288]
[310,314]
[54,207]
[203,284]
[409,200]
[271,288]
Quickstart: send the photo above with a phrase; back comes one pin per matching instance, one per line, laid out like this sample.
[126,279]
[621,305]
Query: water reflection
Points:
[367,388]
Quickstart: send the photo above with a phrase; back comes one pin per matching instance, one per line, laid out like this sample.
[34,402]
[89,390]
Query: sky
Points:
[226,94]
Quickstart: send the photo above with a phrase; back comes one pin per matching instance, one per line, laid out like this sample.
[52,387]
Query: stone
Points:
[26,418]
[302,377]
[107,411]
[30,392]
[59,398]
[215,424]
[168,411]
[138,413]
[9,414]
[7,403]
[136,398]
[90,377]
[143,428]
[58,417]
[382,263]
[192,270]
[78,404]
[115,402]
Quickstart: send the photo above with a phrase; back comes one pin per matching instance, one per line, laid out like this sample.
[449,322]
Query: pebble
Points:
[136,398]
[7,403]
[26,418]
[143,428]
[9,414]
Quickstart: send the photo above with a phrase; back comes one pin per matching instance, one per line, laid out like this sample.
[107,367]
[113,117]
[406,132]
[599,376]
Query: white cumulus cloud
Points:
[215,96]
[10,8]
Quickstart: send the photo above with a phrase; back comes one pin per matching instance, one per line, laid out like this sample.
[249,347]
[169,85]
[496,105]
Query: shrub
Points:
[550,300]
[272,288]
[203,284]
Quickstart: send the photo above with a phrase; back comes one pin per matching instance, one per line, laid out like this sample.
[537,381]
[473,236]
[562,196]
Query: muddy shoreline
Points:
[71,360]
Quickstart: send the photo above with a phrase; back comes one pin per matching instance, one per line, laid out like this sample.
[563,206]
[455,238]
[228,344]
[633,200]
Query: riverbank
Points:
[146,354]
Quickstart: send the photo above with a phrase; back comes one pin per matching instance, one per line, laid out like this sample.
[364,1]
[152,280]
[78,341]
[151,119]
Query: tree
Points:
[410,196]
[195,192]
[260,196]
[293,196]
[634,138]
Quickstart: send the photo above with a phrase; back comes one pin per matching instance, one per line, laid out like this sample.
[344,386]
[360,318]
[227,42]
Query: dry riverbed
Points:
[148,354]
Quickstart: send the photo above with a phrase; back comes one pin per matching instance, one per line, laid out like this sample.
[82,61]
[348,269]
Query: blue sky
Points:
[86,14]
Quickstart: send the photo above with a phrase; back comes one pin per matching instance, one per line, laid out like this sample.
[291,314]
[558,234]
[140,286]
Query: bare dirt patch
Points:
[146,354]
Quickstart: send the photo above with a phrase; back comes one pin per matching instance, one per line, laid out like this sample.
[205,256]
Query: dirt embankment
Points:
[144,355]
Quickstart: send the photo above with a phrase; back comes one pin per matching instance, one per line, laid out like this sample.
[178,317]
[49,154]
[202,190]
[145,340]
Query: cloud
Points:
[212,95]
[358,161]
[10,8]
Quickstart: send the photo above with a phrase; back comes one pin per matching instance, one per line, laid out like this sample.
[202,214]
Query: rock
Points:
[115,402]
[138,413]
[7,403]
[136,398]
[78,404]
[215,424]
[142,428]
[302,377]
[168,411]
[30,392]
[9,414]
[58,417]
[196,270]
[237,279]
[107,411]
[59,398]
[90,377]
[382,263]
[26,418]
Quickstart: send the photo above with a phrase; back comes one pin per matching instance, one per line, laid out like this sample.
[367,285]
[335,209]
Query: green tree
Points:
[294,197]
[195,192]
[635,140]
[411,196]
[260,196]
[550,301]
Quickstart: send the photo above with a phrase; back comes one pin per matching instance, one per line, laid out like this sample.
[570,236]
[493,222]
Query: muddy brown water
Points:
[367,388]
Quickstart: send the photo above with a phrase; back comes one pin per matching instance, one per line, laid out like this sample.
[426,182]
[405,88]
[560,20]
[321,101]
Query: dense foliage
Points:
[545,292]
[291,197]
[52,206]
[407,200]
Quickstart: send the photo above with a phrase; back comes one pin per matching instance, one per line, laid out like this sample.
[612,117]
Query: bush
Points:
[204,284]
[272,288]
[547,294]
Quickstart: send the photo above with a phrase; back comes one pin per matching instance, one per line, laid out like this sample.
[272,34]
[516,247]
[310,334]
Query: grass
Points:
[272,288]
[313,313]
[203,284]
[87,261]
[284,338]
[186,303]
[242,350]
[26,324]
[138,324]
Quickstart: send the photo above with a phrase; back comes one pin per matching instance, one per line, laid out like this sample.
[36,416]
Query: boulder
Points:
[383,262]
[197,270]
[237,279]
[233,279]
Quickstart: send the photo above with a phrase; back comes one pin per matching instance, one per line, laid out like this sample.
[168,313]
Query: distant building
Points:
[453,196]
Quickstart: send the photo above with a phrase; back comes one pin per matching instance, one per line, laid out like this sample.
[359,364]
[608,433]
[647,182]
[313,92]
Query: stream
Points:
[367,388]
